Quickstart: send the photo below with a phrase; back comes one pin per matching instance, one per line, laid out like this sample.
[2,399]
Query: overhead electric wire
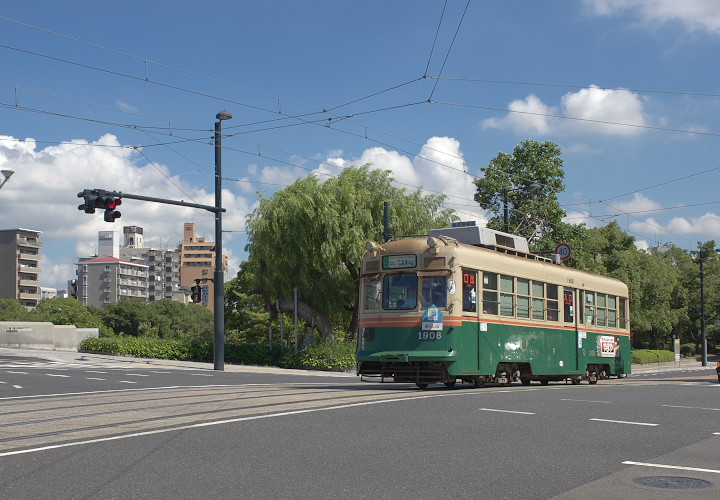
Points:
[449,49]
[437,32]
[559,85]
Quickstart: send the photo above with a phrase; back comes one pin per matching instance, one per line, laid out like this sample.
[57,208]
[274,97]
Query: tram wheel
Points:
[593,379]
[575,380]
[422,387]
[450,383]
[525,381]
[479,382]
[544,382]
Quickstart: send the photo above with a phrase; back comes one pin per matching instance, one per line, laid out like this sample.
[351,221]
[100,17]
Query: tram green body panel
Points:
[478,348]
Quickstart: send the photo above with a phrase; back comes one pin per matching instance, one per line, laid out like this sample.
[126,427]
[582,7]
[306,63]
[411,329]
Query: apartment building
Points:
[20,266]
[197,262]
[163,266]
[107,280]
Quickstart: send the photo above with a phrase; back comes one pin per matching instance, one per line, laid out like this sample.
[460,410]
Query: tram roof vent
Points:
[471,234]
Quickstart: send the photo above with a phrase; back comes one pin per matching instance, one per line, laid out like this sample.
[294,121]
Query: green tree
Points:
[533,214]
[126,316]
[65,311]
[246,313]
[13,310]
[312,236]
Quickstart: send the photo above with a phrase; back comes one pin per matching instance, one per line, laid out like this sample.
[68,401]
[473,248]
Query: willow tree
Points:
[312,235]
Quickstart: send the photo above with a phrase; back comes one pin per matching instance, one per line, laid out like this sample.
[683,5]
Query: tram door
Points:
[570,318]
[470,340]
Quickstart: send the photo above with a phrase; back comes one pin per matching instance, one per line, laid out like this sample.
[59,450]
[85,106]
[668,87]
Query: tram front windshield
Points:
[401,292]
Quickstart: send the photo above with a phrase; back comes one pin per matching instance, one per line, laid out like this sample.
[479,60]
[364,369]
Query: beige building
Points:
[107,280]
[197,262]
[20,266]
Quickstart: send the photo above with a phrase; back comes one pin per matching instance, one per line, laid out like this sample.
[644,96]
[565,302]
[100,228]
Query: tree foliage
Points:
[311,235]
[533,214]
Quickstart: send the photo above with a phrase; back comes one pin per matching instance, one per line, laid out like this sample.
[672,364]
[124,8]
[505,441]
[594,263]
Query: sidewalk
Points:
[58,356]
[30,355]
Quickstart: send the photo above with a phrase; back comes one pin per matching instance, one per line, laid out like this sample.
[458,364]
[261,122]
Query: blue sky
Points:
[124,96]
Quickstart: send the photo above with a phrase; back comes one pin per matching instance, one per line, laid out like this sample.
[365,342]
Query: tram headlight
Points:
[432,242]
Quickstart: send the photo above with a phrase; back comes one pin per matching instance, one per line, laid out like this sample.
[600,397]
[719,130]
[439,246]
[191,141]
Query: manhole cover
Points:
[672,482]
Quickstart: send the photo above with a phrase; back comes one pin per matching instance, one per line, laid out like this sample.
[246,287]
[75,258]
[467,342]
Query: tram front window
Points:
[400,292]
[434,291]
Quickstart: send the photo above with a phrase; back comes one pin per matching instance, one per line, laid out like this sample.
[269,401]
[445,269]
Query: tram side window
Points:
[400,291]
[601,309]
[523,298]
[490,294]
[612,311]
[469,289]
[569,306]
[434,291]
[623,313]
[507,295]
[589,308]
[538,300]
[371,295]
[552,303]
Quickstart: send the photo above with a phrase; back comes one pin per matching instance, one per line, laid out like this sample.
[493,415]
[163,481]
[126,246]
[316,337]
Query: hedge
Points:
[646,356]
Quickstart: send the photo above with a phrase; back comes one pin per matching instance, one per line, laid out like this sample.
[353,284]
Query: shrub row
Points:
[320,356]
[645,356]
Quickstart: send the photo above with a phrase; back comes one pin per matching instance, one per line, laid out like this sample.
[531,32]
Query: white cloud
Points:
[639,203]
[701,227]
[59,172]
[529,116]
[439,168]
[596,111]
[693,14]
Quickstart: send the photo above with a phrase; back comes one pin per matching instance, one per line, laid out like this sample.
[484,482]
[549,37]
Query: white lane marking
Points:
[93,371]
[228,421]
[20,373]
[153,371]
[692,407]
[662,466]
[136,375]
[587,401]
[57,375]
[201,374]
[623,422]
[507,411]
[127,381]
[17,386]
[1,382]
[93,378]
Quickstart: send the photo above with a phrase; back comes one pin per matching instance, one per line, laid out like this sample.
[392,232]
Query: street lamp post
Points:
[7,174]
[218,282]
[506,213]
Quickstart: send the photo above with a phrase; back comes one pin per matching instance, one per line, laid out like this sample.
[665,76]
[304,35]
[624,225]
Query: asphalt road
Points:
[111,431]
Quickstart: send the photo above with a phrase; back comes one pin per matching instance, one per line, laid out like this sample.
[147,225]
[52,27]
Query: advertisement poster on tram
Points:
[607,346]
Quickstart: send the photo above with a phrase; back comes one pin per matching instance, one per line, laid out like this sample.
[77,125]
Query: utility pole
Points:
[702,309]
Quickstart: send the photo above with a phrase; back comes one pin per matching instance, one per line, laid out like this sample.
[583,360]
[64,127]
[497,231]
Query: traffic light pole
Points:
[120,194]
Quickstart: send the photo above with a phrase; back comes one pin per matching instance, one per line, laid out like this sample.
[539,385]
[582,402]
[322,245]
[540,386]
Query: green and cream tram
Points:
[472,304]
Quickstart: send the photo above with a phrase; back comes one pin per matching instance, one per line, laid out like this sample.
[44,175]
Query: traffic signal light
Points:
[196,293]
[93,201]
[110,213]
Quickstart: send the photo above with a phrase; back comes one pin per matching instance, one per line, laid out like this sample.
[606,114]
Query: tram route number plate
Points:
[429,335]
[399,261]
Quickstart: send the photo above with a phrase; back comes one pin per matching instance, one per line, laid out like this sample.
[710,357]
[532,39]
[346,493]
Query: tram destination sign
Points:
[399,261]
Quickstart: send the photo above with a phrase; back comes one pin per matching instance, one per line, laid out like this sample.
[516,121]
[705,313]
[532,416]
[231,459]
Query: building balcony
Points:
[28,296]
[28,243]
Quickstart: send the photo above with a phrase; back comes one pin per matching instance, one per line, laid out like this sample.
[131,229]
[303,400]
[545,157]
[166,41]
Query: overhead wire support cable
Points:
[449,50]
[437,32]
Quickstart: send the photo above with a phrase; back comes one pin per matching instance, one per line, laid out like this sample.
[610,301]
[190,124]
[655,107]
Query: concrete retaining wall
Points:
[43,335]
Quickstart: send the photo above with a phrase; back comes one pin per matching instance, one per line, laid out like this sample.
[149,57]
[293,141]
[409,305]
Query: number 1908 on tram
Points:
[474,305]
